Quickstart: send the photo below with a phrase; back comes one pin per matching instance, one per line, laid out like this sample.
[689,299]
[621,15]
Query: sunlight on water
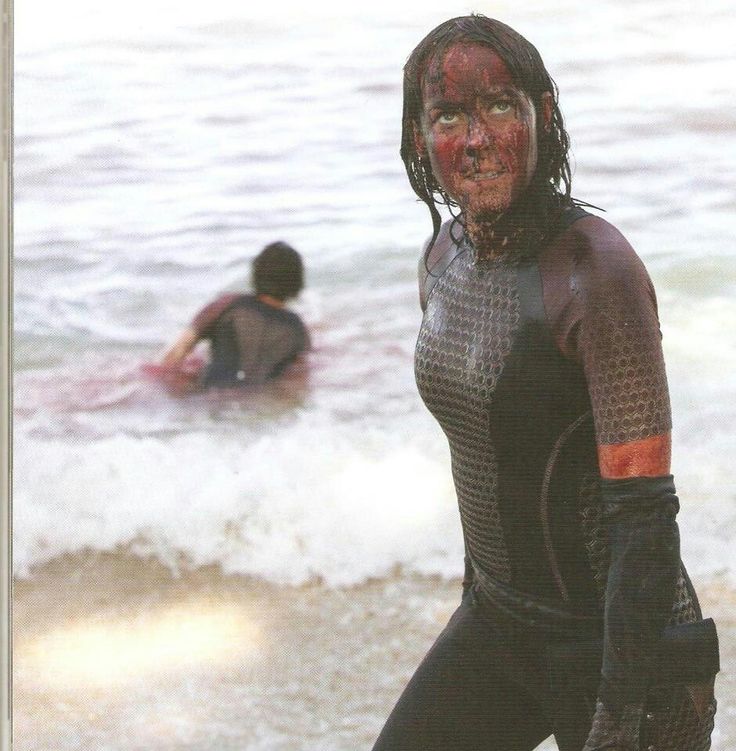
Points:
[114,653]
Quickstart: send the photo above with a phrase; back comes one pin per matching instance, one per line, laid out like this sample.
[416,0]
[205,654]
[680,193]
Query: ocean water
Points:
[157,151]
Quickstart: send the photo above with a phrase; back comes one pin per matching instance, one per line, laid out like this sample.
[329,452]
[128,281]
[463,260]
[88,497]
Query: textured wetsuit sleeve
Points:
[204,320]
[619,345]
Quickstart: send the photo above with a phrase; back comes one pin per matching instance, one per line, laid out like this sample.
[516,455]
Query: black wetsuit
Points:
[528,362]
[250,341]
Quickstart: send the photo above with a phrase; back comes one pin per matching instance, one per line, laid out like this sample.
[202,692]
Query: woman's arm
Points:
[616,338]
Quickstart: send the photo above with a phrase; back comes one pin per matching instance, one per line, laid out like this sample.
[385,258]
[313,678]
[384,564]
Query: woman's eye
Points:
[501,108]
[448,118]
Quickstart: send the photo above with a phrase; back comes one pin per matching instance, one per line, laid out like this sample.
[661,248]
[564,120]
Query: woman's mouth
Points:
[489,175]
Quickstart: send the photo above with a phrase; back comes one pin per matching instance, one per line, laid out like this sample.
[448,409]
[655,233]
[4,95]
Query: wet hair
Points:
[549,189]
[278,271]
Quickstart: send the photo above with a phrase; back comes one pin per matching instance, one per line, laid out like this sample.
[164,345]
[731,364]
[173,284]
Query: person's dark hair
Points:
[278,271]
[550,186]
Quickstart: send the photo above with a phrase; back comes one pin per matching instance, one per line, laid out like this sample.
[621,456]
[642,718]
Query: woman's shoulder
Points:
[594,281]
[436,249]
[435,258]
[596,253]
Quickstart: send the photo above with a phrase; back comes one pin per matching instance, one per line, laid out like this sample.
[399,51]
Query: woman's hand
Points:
[615,732]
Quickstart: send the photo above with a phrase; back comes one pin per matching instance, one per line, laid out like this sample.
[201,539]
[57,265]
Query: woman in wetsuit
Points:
[540,356]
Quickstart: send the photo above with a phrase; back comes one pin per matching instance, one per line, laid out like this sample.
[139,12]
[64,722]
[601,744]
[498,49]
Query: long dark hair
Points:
[550,186]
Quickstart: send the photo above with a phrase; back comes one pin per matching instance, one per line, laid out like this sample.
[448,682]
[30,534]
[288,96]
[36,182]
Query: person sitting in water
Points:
[252,336]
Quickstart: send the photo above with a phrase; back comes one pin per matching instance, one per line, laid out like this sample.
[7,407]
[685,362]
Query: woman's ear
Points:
[547,107]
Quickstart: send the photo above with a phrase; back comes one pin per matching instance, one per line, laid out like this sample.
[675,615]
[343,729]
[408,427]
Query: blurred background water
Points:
[159,147]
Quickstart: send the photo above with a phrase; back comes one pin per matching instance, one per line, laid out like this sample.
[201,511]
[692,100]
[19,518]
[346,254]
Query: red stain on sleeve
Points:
[649,457]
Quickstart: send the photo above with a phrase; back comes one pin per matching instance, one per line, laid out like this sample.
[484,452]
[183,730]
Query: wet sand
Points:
[112,652]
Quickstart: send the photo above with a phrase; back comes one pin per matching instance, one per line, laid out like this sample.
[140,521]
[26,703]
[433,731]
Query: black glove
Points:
[644,543]
[615,731]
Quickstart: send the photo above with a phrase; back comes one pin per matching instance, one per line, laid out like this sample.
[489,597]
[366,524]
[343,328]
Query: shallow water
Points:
[129,657]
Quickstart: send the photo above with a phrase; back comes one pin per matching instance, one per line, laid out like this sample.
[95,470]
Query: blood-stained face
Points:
[478,129]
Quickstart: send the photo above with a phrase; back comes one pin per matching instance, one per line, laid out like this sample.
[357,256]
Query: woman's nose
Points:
[478,136]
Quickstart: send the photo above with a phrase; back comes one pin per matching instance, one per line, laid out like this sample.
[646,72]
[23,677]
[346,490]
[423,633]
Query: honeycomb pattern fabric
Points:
[465,338]
[601,313]
[669,722]
[685,607]
[673,722]
[594,534]
[602,310]
[622,358]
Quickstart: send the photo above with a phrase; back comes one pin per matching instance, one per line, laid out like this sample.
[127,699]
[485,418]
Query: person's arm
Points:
[184,344]
[618,342]
[639,516]
[198,329]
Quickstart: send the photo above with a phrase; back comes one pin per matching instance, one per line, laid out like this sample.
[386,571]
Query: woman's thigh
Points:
[462,697]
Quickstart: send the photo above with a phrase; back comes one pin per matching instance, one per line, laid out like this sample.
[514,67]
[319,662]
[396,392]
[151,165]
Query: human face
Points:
[478,129]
